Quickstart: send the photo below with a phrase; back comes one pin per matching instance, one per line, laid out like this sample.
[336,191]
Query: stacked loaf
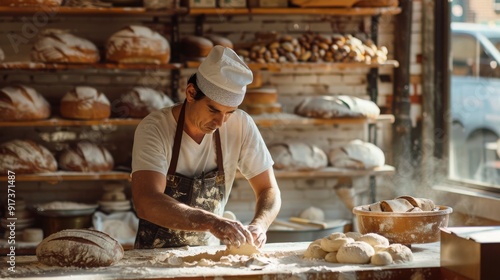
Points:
[297,156]
[85,103]
[137,44]
[22,103]
[261,100]
[25,157]
[197,47]
[140,101]
[86,157]
[62,47]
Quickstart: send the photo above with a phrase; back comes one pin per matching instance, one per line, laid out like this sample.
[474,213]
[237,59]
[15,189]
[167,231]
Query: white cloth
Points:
[242,147]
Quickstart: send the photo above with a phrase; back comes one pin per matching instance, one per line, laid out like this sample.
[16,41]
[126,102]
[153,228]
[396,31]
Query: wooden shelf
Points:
[319,66]
[286,119]
[81,11]
[67,122]
[26,65]
[330,172]
[59,176]
[297,11]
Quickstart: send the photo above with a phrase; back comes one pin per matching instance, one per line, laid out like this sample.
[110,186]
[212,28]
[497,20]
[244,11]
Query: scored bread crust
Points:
[22,103]
[62,47]
[79,248]
[85,103]
[26,157]
[86,157]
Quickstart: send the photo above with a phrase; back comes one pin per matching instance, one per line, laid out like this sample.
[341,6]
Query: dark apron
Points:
[206,192]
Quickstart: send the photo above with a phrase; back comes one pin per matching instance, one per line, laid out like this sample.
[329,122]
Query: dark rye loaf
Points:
[79,248]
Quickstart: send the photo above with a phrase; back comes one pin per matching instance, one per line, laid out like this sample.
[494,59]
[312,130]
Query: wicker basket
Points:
[377,3]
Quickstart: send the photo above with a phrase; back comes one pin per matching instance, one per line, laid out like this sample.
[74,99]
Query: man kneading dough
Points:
[185,158]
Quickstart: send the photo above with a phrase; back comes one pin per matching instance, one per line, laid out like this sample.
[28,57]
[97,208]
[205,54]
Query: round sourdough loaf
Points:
[85,103]
[79,248]
[43,3]
[22,103]
[195,47]
[357,154]
[141,101]
[263,95]
[137,44]
[25,157]
[62,47]
[86,157]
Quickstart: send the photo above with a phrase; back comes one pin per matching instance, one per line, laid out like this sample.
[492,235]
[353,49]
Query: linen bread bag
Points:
[79,248]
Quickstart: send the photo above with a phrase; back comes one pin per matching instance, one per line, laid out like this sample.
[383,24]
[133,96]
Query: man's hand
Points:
[258,234]
[231,232]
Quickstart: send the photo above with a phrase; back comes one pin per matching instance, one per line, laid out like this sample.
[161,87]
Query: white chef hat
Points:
[223,76]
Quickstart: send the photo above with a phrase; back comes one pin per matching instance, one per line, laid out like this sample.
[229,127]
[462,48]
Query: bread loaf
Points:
[25,157]
[342,106]
[141,101]
[357,154]
[264,95]
[297,156]
[22,103]
[219,40]
[62,47]
[79,248]
[86,157]
[19,3]
[85,103]
[195,47]
[259,109]
[137,44]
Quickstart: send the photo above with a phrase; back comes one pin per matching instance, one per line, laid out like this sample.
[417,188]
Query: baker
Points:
[185,158]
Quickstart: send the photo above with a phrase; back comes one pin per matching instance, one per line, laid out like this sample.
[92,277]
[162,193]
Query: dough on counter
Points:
[381,258]
[331,257]
[333,245]
[245,249]
[374,239]
[353,234]
[399,253]
[314,251]
[357,252]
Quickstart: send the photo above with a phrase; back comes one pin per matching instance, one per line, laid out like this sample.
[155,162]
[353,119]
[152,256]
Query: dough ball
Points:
[332,257]
[335,235]
[379,248]
[317,241]
[381,258]
[313,213]
[400,253]
[357,252]
[333,245]
[374,239]
[353,234]
[314,251]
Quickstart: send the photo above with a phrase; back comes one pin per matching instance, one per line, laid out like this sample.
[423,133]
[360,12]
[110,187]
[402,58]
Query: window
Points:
[474,100]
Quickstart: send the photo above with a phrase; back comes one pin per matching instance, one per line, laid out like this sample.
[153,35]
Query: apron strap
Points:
[177,145]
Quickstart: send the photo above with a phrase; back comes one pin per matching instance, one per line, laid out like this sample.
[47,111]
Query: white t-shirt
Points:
[242,145]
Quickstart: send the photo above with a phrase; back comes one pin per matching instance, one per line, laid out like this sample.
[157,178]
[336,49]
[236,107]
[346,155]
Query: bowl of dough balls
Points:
[404,219]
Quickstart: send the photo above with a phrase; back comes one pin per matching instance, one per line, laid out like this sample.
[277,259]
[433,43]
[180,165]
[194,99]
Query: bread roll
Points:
[61,47]
[25,157]
[141,101]
[137,44]
[86,157]
[195,47]
[357,154]
[79,248]
[220,40]
[85,103]
[19,3]
[297,156]
[22,103]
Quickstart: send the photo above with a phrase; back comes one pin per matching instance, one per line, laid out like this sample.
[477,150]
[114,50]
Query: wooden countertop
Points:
[277,261]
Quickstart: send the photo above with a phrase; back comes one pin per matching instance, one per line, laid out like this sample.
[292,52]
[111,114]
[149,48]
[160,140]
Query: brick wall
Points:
[292,86]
